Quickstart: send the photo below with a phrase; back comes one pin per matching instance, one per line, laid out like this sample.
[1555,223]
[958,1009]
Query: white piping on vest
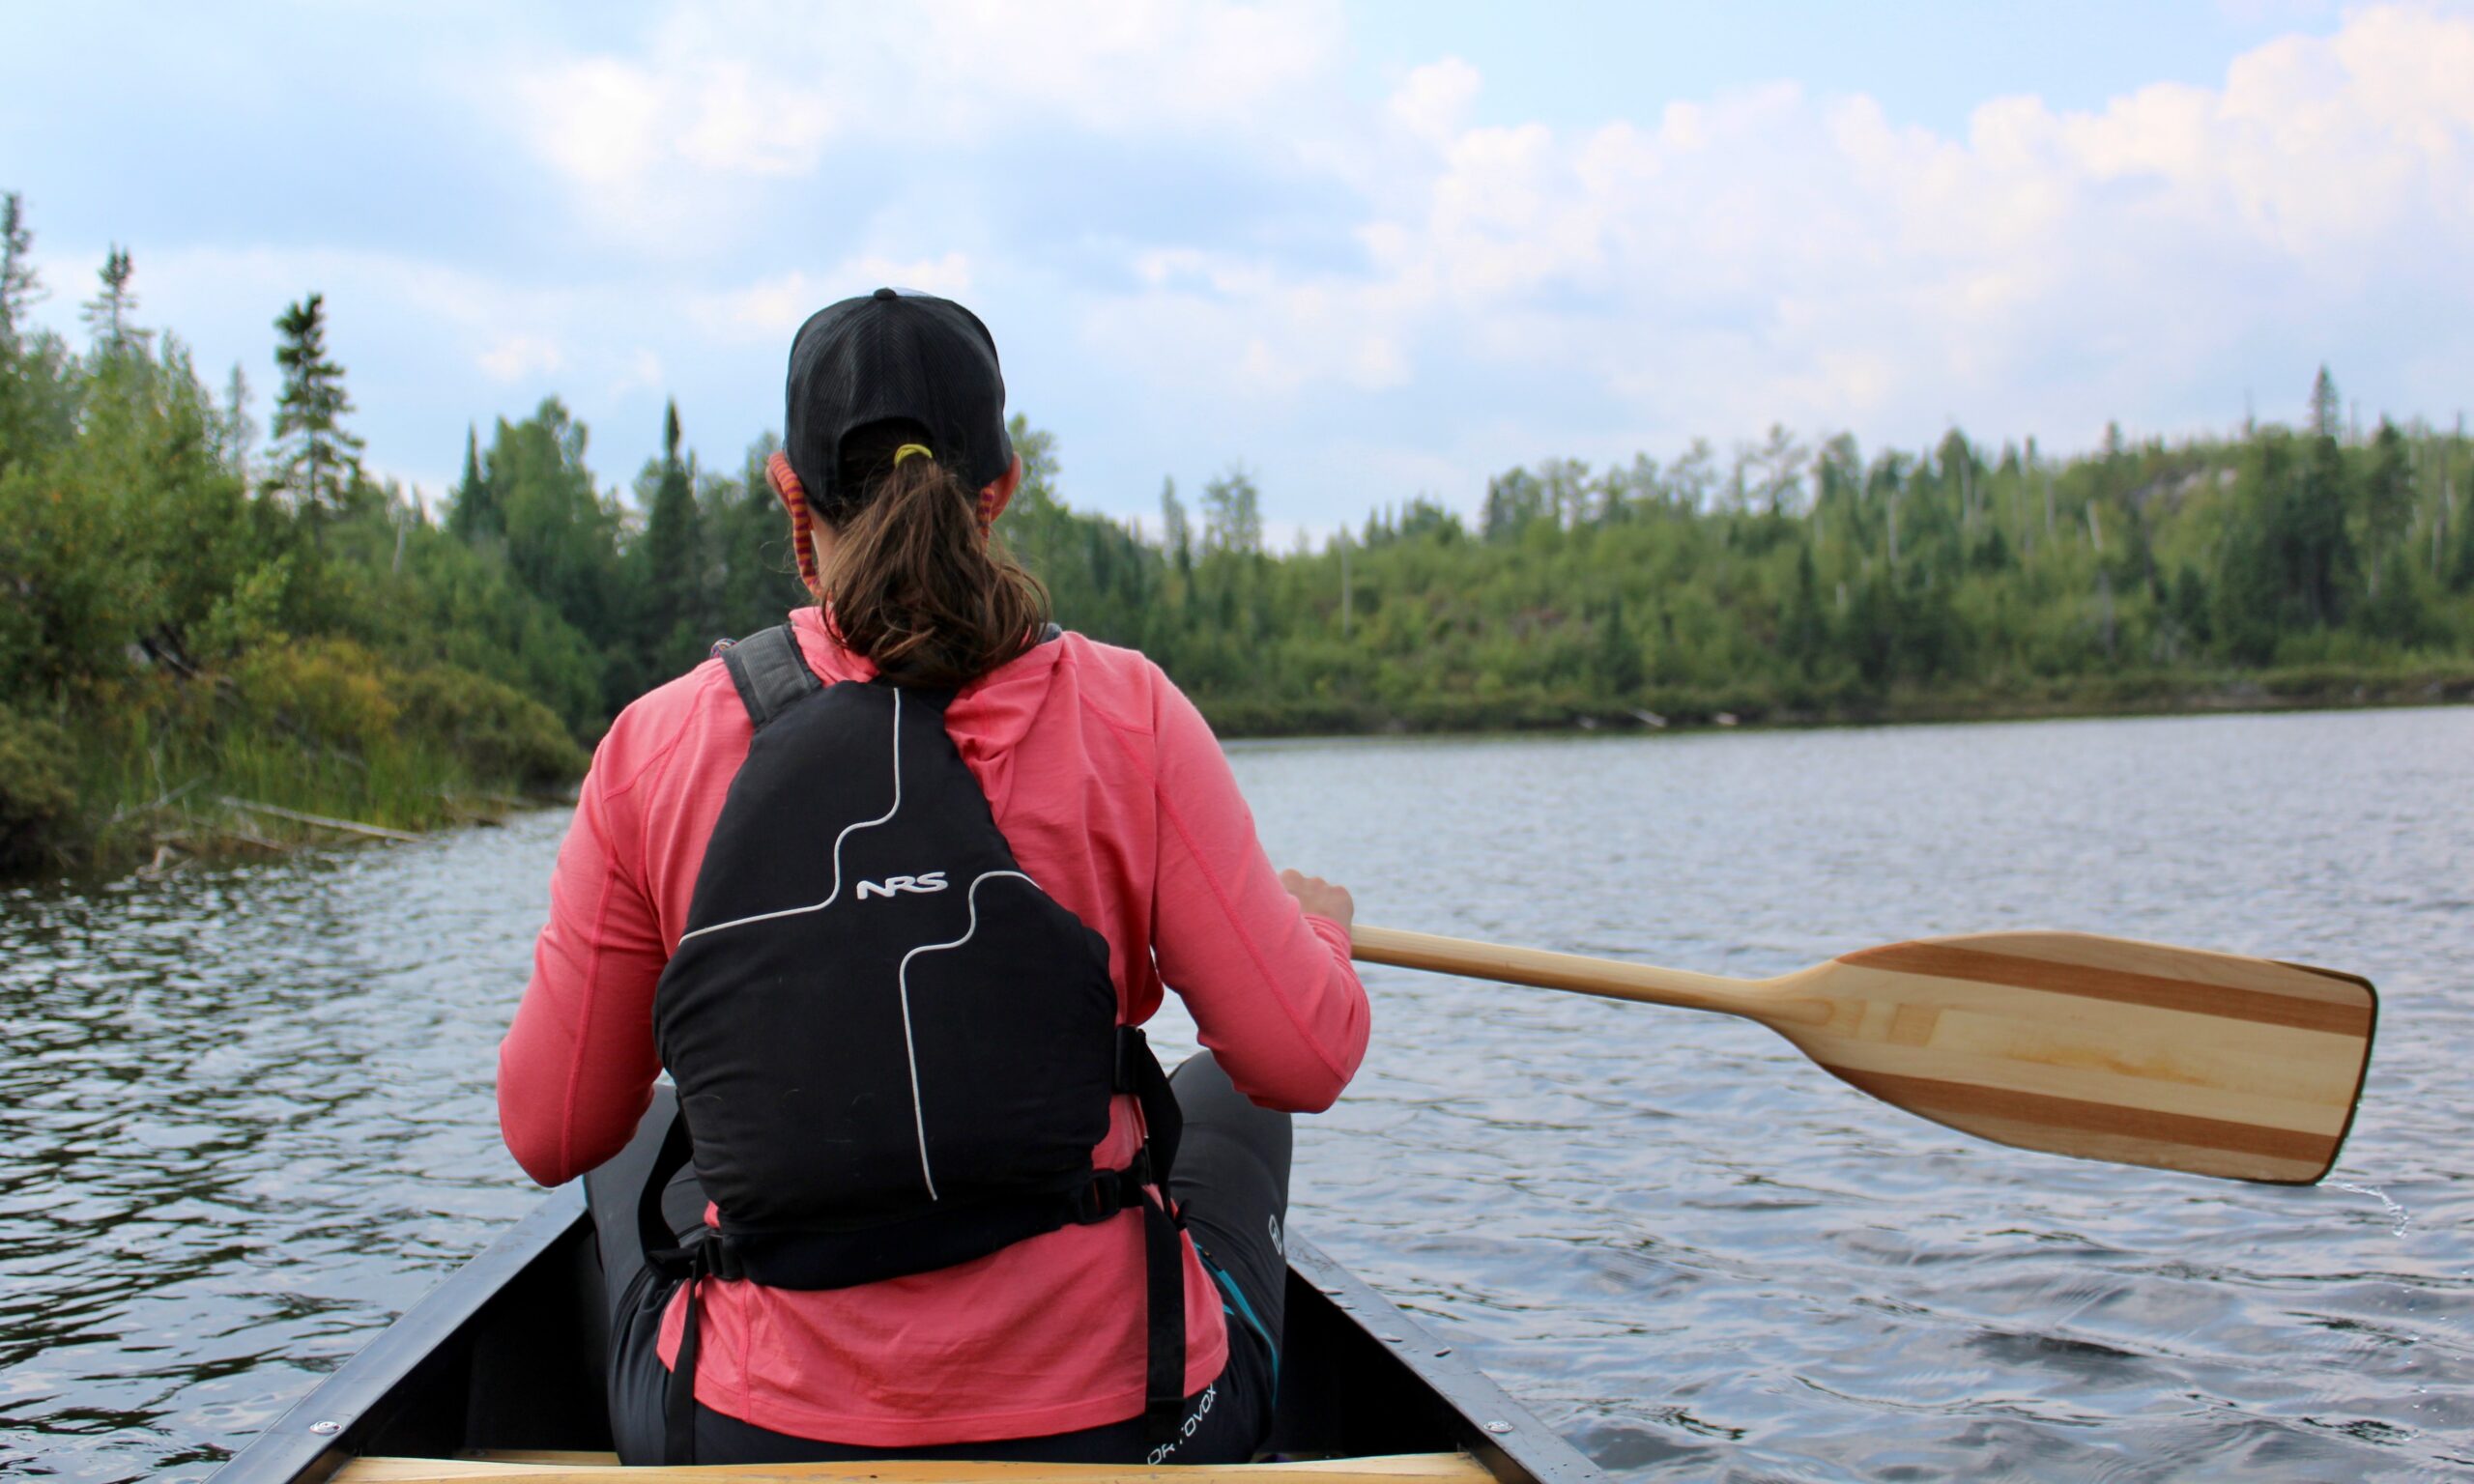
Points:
[901,977]
[846,831]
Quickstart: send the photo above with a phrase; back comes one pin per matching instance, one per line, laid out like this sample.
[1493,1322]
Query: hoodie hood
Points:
[987,718]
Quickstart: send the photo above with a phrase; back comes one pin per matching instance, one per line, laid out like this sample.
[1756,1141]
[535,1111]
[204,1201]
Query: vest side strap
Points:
[679,1392]
[1164,1321]
[674,1262]
[1163,1371]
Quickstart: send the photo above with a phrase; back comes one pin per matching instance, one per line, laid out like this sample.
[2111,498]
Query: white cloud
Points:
[770,309]
[685,134]
[1117,64]
[1433,99]
[597,120]
[1243,328]
[643,373]
[949,275]
[607,122]
[515,358]
[1773,255]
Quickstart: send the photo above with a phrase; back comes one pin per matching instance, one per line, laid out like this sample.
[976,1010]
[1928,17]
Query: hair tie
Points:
[987,503]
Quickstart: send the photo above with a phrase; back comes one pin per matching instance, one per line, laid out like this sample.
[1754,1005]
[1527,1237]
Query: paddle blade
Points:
[2104,1048]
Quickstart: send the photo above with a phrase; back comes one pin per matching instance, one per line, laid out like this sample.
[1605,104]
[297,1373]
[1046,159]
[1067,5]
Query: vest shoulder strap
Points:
[769,672]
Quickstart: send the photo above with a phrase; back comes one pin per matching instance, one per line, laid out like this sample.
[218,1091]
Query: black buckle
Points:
[1105,1194]
[711,1255]
[1137,1173]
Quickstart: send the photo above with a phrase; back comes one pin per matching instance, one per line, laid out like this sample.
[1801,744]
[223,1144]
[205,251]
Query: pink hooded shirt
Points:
[1116,798]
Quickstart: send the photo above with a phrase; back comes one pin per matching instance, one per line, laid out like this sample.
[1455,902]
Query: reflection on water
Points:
[246,1119]
[247,1113]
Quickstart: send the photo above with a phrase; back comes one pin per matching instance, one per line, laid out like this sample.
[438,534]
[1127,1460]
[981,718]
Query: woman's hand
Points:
[1320,897]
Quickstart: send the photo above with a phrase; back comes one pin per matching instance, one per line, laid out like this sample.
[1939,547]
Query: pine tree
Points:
[1176,529]
[1514,498]
[1804,630]
[2252,594]
[316,461]
[2460,572]
[2387,497]
[474,514]
[672,542]
[2327,414]
[1614,660]
[2323,568]
[19,289]
[2190,608]
[108,314]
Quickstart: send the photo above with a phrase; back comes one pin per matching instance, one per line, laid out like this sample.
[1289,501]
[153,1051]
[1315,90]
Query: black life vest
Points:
[894,1052]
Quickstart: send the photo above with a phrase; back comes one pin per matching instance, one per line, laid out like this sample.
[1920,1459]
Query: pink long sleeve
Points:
[577,1069]
[1271,989]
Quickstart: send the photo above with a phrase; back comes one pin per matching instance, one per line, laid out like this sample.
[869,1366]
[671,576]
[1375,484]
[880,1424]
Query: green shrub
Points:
[37,801]
[326,692]
[499,732]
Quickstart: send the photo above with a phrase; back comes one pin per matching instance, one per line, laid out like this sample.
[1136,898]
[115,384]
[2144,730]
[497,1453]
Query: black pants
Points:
[1231,1180]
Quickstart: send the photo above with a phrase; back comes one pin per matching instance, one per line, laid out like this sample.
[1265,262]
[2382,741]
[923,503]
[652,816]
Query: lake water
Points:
[245,1114]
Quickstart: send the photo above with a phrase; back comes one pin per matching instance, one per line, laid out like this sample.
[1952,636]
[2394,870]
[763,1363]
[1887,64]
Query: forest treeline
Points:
[202,608]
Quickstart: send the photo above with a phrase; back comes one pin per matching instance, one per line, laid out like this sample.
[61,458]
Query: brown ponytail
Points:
[914,582]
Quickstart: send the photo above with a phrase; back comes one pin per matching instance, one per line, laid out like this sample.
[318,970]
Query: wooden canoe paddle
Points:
[2104,1048]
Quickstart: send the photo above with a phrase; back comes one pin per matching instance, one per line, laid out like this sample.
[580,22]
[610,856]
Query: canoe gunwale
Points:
[355,1405]
[1493,1427]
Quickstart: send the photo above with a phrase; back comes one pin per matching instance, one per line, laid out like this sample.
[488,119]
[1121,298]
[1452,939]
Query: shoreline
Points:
[2086,699]
[189,826]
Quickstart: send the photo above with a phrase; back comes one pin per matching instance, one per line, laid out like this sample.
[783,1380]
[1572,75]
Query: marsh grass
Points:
[141,775]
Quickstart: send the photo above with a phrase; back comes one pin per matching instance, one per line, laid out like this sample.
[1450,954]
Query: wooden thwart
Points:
[2102,1048]
[514,1468]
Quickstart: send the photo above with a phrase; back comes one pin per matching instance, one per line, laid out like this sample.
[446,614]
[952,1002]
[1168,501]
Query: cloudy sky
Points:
[1368,250]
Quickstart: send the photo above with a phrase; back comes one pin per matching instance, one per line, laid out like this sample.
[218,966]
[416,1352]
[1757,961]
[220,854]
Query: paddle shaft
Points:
[1642,982]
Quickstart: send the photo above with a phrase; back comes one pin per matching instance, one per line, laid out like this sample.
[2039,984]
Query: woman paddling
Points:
[886,891]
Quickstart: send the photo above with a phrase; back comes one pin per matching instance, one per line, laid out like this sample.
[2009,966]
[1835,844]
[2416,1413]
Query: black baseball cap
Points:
[894,353]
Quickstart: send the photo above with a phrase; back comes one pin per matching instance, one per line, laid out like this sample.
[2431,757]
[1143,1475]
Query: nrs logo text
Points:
[925,881]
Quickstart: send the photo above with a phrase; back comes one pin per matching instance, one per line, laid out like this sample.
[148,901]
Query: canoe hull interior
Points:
[507,1355]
